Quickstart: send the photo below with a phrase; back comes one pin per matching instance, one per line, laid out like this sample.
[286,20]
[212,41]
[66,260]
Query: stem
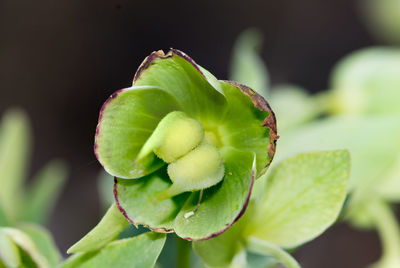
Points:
[183,253]
[265,248]
[388,229]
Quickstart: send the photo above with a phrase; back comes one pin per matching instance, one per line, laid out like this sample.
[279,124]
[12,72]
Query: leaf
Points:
[373,142]
[14,151]
[9,253]
[303,197]
[367,82]
[126,121]
[43,194]
[293,106]
[140,251]
[28,247]
[382,19]
[3,217]
[247,67]
[107,230]
[44,242]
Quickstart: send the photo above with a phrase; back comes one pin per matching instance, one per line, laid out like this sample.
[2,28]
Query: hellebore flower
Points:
[184,147]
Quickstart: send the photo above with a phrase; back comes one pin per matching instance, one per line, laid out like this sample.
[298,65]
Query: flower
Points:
[184,147]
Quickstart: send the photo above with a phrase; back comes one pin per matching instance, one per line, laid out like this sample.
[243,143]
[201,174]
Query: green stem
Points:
[388,229]
[262,247]
[183,250]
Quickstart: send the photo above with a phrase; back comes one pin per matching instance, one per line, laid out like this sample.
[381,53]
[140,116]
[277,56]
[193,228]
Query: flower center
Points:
[194,160]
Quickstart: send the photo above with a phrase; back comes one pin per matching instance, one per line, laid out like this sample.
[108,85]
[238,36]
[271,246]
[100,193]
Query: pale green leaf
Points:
[44,242]
[303,197]
[14,153]
[373,142]
[9,253]
[293,106]
[367,82]
[382,18]
[247,66]
[140,251]
[28,246]
[44,192]
[104,232]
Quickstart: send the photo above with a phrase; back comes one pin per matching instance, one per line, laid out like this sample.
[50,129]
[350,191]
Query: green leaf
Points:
[303,197]
[9,253]
[373,142]
[367,82]
[28,246]
[293,106]
[247,67]
[382,19]
[107,230]
[140,251]
[178,75]
[3,217]
[14,151]
[44,242]
[43,194]
[126,121]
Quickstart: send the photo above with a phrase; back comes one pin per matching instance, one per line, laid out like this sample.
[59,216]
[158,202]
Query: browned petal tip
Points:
[269,121]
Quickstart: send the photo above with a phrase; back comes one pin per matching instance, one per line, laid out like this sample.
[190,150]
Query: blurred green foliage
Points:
[23,241]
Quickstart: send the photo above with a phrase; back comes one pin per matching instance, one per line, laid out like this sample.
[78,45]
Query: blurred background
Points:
[60,60]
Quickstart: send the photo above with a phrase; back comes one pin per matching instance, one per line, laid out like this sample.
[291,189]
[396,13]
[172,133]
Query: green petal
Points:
[107,230]
[221,205]
[138,199]
[140,251]
[180,76]
[303,197]
[249,124]
[126,121]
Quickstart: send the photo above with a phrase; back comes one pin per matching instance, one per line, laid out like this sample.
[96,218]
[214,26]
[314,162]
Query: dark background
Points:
[60,60]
